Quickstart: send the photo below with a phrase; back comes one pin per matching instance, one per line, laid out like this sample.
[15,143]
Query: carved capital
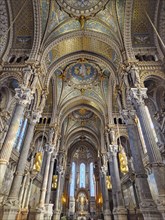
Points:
[137,96]
[49,148]
[35,116]
[113,149]
[129,116]
[23,96]
[104,170]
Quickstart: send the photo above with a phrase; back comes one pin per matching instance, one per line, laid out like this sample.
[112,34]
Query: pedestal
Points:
[107,214]
[150,211]
[9,212]
[120,213]
[56,215]
[39,214]
[48,211]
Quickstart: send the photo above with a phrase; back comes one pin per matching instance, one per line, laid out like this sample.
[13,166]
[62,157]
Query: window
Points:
[82,175]
[92,184]
[73,175]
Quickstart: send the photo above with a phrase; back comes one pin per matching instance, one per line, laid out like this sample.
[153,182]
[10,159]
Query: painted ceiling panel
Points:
[23,25]
[142,31]
[81,44]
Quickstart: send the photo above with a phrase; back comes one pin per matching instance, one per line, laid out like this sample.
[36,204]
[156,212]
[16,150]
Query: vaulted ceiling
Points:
[71,37]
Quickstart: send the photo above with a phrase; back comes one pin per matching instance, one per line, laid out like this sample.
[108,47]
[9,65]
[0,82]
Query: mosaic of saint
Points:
[81,74]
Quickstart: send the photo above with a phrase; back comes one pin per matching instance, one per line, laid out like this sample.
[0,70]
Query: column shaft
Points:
[147,205]
[15,188]
[49,186]
[158,168]
[45,181]
[119,210]
[10,139]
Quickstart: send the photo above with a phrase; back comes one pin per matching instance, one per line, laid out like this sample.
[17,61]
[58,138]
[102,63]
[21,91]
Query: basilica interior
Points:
[82,109]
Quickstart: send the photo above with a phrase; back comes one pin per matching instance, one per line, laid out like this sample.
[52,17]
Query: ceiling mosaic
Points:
[80,120]
[82,114]
[4,26]
[81,75]
[24,25]
[81,44]
[82,7]
[82,78]
[142,31]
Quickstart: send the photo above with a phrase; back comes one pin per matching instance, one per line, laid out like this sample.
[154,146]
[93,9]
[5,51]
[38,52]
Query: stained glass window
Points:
[92,184]
[82,175]
[73,175]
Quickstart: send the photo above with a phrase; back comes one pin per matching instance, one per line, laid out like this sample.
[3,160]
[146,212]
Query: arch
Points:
[75,56]
[80,33]
[88,103]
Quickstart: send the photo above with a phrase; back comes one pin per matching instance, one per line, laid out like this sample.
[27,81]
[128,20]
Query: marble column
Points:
[49,186]
[119,210]
[40,210]
[13,197]
[57,207]
[23,97]
[106,204]
[48,205]
[137,96]
[147,205]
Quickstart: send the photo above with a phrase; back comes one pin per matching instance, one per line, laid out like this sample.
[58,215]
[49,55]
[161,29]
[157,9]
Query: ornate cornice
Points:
[37,31]
[127,30]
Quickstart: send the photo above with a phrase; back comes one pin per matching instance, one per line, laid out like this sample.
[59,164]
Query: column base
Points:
[149,210]
[9,212]
[120,213]
[107,214]
[22,215]
[39,215]
[135,214]
[48,211]
[3,167]
[161,205]
[56,215]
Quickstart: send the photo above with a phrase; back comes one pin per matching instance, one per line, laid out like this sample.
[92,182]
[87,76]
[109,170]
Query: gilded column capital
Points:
[23,96]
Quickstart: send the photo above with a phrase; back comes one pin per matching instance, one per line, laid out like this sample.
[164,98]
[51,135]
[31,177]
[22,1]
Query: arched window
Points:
[82,175]
[92,184]
[73,175]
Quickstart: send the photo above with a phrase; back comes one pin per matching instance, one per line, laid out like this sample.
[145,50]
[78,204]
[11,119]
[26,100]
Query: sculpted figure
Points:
[134,73]
[27,75]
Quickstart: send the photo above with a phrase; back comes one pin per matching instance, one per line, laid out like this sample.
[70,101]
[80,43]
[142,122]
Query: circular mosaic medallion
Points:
[81,75]
[82,7]
[82,114]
